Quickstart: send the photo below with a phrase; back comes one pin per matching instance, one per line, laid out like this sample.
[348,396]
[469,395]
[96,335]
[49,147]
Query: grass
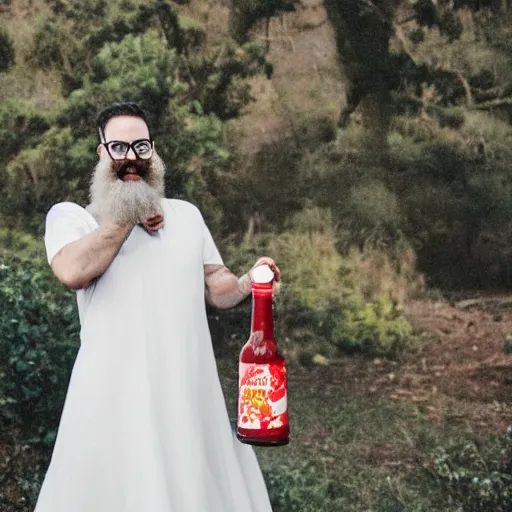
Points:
[352,453]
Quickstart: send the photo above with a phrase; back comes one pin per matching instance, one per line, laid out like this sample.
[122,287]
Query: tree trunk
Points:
[376,118]
[363,30]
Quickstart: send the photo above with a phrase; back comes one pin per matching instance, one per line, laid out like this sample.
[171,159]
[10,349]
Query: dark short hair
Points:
[127,108]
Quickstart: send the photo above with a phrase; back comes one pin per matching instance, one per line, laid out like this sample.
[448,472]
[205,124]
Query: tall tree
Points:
[373,71]
[363,29]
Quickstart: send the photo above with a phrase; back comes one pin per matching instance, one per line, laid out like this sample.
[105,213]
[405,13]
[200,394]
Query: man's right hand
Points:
[153,223]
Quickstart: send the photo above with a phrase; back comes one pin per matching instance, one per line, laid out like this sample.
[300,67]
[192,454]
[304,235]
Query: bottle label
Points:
[262,400]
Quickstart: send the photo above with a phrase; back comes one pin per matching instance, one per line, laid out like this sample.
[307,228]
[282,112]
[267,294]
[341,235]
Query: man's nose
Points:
[131,155]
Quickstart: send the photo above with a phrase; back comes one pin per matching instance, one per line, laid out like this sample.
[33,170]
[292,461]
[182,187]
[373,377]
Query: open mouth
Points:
[131,177]
[130,172]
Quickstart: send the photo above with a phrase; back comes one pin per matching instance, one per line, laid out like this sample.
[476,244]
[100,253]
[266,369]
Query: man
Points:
[145,426]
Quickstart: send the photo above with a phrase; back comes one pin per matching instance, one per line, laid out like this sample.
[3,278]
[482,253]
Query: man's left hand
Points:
[265,260]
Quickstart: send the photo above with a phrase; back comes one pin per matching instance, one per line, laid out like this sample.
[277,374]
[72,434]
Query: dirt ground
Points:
[465,361]
[459,372]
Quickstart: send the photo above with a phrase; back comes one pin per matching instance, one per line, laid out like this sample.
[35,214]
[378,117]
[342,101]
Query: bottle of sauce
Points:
[262,417]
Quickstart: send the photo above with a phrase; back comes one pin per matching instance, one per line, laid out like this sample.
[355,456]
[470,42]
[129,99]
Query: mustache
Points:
[120,167]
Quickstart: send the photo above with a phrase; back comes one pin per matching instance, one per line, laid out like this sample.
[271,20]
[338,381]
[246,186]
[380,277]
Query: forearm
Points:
[225,290]
[80,262]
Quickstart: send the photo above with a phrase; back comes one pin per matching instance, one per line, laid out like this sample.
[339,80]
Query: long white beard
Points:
[126,202]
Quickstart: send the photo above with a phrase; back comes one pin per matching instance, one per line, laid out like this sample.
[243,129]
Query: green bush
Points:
[476,477]
[303,488]
[456,194]
[20,243]
[373,328]
[57,169]
[322,308]
[20,124]
[371,213]
[39,337]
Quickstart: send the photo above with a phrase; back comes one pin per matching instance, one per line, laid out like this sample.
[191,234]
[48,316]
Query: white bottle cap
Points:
[262,274]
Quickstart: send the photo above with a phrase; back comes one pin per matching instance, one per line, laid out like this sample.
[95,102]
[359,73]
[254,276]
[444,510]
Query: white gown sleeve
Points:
[211,255]
[65,223]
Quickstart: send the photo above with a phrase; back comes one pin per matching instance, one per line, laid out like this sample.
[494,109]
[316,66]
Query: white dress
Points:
[145,426]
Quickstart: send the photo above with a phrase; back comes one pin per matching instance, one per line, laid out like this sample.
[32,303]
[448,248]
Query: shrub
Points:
[476,478]
[20,243]
[57,169]
[302,488]
[38,342]
[321,308]
[20,123]
[371,211]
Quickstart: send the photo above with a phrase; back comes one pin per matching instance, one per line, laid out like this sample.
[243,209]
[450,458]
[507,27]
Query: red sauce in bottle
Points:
[262,395]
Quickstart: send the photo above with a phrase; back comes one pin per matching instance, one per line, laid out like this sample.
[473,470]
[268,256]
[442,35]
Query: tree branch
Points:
[170,23]
[489,105]
[467,88]
[399,34]
[495,93]
[406,20]
[267,34]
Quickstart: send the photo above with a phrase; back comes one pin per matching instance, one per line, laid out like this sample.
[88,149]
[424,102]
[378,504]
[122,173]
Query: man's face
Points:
[120,132]
[128,189]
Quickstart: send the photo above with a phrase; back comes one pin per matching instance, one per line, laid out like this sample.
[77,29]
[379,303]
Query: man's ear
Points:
[99,149]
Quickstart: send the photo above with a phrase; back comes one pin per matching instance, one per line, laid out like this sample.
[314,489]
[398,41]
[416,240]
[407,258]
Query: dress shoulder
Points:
[184,207]
[69,209]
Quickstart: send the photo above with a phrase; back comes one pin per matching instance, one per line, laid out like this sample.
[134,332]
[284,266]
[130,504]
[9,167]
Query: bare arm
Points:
[77,264]
[223,289]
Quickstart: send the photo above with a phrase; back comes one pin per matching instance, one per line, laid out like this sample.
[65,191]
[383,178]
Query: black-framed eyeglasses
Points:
[118,149]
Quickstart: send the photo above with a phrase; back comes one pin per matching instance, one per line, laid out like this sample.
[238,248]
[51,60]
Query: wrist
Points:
[245,284]
[117,230]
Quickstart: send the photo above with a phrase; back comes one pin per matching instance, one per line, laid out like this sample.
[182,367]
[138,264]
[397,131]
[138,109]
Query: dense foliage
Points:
[326,308]
[476,477]
[142,52]
[38,343]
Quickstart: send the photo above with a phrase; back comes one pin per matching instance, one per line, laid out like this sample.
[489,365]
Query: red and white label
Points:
[262,400]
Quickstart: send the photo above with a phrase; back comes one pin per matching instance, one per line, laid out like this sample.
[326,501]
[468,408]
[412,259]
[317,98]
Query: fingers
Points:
[265,260]
[153,220]
[154,223]
[276,271]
